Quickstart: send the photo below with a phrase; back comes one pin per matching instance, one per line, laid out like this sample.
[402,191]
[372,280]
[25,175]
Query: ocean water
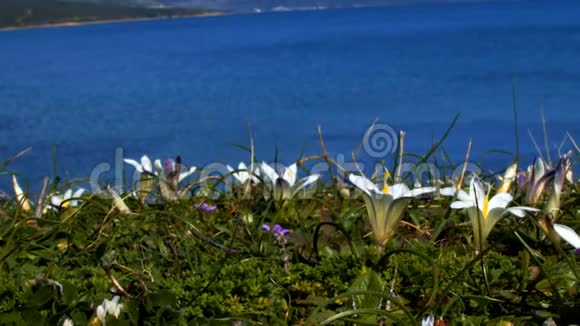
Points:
[197,86]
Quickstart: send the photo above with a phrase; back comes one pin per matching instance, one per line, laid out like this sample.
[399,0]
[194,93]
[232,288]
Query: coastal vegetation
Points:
[257,244]
[20,13]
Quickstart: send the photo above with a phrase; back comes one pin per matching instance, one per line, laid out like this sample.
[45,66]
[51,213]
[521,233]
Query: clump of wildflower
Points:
[280,238]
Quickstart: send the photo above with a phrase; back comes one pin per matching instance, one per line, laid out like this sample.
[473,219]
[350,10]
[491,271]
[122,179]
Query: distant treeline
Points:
[14,13]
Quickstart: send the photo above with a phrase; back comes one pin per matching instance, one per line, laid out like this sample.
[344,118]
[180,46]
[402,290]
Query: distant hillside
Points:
[281,5]
[15,13]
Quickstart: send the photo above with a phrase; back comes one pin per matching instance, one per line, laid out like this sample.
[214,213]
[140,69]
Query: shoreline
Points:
[73,23]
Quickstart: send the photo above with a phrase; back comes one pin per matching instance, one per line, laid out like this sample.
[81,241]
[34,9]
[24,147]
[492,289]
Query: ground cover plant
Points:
[257,244]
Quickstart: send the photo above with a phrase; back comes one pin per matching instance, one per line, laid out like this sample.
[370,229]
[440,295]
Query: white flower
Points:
[102,312]
[68,199]
[285,184]
[114,307]
[109,307]
[386,206]
[477,197]
[483,212]
[243,174]
[568,234]
[143,167]
[68,322]
[428,321]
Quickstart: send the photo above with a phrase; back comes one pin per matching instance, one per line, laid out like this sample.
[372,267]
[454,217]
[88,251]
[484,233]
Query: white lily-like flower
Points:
[285,185]
[142,167]
[386,206]
[68,322]
[566,233]
[68,199]
[484,212]
[146,175]
[428,321]
[109,307]
[242,175]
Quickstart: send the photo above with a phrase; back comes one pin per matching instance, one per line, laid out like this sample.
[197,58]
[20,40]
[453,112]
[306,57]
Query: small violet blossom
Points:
[279,234]
[205,207]
[276,229]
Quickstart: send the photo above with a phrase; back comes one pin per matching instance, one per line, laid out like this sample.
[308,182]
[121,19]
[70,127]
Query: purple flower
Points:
[169,166]
[277,229]
[205,207]
[522,179]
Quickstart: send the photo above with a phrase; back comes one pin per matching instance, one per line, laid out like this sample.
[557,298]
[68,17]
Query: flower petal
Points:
[520,211]
[428,321]
[77,194]
[500,200]
[568,234]
[448,191]
[461,204]
[56,200]
[399,190]
[269,172]
[364,184]
[158,167]
[102,312]
[290,174]
[476,192]
[146,164]
[185,174]
[463,196]
[67,194]
[422,191]
[134,164]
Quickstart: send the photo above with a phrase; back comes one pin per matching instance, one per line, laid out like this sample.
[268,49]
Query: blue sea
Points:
[196,87]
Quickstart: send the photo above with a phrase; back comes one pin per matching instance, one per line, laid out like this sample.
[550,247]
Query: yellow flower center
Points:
[485,205]
[387,175]
[65,204]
